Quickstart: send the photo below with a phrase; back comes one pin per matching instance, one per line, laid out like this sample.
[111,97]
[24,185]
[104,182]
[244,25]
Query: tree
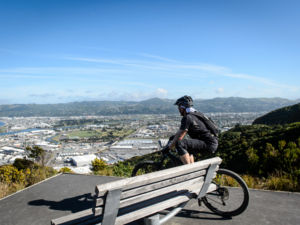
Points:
[37,153]
[253,158]
[22,164]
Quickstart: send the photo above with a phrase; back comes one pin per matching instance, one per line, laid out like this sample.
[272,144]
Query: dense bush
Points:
[264,151]
[10,174]
[65,170]
[22,174]
[123,169]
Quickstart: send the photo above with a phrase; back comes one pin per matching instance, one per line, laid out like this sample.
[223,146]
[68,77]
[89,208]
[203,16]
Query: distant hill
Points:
[150,106]
[283,115]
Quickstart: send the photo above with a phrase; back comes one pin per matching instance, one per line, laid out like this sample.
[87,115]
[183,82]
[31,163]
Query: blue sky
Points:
[62,51]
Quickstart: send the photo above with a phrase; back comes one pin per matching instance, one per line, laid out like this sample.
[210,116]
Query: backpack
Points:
[210,125]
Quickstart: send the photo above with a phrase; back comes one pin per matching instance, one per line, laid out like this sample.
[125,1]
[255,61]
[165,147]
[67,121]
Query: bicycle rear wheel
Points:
[231,197]
[145,167]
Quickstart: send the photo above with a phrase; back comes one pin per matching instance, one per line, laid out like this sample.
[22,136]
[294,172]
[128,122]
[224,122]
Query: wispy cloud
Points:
[57,70]
[134,95]
[21,76]
[262,80]
[219,90]
[124,62]
[181,68]
[163,66]
[45,95]
[67,96]
[158,57]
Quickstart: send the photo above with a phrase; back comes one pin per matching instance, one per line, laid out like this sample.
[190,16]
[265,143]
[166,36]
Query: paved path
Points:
[50,199]
[265,207]
[68,193]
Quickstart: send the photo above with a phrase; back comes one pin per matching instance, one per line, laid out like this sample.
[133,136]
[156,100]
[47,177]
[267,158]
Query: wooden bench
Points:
[130,199]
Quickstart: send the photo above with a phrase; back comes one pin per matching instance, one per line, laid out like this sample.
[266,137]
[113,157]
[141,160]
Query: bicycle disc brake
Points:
[224,194]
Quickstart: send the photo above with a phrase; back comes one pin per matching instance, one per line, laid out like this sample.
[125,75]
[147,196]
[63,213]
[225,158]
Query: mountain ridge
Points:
[288,114]
[148,106]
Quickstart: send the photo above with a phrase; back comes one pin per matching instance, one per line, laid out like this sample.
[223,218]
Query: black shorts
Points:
[193,146]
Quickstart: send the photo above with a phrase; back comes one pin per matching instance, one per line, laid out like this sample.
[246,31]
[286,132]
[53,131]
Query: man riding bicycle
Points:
[201,137]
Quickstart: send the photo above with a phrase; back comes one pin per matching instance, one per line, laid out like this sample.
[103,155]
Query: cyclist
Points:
[201,138]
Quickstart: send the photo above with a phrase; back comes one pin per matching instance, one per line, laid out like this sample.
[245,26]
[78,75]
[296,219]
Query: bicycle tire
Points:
[225,196]
[145,167]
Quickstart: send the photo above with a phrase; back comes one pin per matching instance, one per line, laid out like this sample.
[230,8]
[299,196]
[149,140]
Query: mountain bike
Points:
[230,197]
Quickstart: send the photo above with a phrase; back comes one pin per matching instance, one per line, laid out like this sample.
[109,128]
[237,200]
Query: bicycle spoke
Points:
[215,201]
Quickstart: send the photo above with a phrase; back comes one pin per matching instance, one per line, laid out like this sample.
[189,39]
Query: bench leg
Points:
[153,220]
[112,204]
[208,178]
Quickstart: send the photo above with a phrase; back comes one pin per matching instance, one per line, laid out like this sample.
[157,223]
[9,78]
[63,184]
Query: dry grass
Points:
[6,189]
[278,182]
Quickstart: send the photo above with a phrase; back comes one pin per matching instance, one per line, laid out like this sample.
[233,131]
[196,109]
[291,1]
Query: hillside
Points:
[262,149]
[151,106]
[283,115]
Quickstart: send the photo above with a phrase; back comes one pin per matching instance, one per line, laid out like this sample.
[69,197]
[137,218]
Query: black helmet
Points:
[185,101]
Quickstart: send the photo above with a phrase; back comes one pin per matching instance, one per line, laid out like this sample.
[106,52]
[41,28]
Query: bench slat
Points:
[74,218]
[132,182]
[162,184]
[190,186]
[141,213]
[143,204]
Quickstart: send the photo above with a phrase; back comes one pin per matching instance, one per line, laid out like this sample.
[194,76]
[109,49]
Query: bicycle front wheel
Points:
[145,167]
[231,197]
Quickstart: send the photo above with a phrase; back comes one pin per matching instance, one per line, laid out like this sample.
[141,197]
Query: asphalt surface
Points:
[50,199]
[265,207]
[67,193]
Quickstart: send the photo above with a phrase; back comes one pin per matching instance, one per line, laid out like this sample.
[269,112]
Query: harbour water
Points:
[16,132]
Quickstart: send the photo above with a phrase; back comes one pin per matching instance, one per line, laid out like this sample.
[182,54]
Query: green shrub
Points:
[10,174]
[123,169]
[65,170]
[22,164]
[98,165]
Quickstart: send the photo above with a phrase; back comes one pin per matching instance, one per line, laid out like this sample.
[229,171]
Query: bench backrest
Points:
[129,199]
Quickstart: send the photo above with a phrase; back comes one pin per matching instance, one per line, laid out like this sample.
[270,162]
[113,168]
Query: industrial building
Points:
[83,160]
